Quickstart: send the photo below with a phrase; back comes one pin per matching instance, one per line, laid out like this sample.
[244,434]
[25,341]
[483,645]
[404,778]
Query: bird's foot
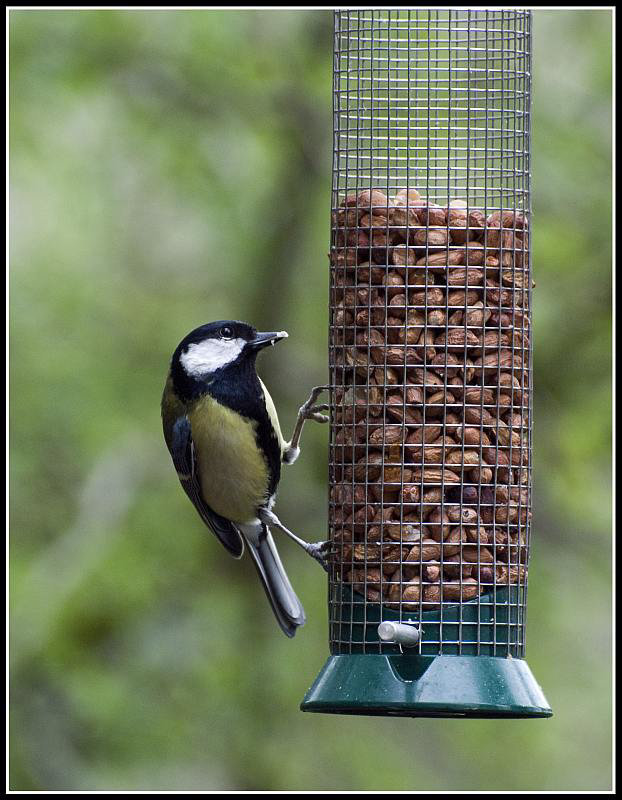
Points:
[309,409]
[321,552]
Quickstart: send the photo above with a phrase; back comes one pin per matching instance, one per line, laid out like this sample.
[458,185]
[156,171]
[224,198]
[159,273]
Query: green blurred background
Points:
[168,168]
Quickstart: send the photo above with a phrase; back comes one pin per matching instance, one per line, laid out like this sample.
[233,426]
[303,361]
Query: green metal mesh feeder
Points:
[430,365]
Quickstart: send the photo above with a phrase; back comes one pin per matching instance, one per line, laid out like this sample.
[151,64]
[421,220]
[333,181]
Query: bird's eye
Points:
[226,332]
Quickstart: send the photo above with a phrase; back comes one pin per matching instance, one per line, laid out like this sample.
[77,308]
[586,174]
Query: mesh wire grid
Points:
[429,345]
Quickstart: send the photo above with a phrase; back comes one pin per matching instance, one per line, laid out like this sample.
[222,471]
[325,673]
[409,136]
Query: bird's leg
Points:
[320,551]
[309,410]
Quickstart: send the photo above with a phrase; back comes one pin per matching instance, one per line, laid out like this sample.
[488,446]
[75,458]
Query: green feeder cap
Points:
[427,686]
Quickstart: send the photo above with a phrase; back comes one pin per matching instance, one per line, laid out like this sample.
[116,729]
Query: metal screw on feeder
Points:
[430,365]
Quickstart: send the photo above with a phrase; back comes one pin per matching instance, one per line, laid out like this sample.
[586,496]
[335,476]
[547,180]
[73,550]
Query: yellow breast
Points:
[234,474]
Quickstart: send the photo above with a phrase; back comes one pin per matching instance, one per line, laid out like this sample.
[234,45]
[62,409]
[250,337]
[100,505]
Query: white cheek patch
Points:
[212,354]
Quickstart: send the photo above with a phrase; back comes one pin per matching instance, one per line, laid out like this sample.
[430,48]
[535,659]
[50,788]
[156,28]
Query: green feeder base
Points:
[427,686]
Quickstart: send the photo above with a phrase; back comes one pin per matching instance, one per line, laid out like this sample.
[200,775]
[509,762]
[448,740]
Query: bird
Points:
[223,434]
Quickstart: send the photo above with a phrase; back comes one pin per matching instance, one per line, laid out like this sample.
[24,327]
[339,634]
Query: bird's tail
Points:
[287,607]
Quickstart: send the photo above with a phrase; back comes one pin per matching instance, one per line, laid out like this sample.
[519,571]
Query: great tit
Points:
[223,434]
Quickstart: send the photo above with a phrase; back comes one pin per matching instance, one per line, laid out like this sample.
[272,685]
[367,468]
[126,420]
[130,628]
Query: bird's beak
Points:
[264,339]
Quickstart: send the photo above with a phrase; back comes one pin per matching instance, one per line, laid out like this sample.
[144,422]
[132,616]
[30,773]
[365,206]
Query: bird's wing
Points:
[182,452]
[274,418]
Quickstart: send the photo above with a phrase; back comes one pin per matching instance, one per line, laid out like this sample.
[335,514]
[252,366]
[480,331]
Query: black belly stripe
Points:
[237,387]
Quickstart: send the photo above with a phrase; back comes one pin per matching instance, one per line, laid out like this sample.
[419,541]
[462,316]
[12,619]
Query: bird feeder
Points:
[430,367]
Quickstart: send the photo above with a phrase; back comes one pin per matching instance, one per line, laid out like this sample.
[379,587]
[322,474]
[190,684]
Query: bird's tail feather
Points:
[287,607]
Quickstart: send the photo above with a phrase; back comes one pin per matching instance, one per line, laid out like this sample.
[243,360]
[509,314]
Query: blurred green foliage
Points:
[168,168]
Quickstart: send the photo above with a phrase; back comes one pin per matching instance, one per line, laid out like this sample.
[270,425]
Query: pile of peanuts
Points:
[430,490]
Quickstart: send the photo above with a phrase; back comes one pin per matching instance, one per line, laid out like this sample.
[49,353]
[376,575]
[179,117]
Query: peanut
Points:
[430,322]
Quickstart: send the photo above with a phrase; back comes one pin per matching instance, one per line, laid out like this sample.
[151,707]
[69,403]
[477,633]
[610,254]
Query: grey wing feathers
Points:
[182,452]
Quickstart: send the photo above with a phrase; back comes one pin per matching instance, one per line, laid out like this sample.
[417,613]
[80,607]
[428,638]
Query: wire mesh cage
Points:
[430,365]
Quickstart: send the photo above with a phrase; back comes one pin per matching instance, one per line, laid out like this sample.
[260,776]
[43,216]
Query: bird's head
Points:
[217,345]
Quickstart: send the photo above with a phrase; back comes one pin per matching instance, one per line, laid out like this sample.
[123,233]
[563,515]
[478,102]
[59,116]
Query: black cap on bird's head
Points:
[217,346]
